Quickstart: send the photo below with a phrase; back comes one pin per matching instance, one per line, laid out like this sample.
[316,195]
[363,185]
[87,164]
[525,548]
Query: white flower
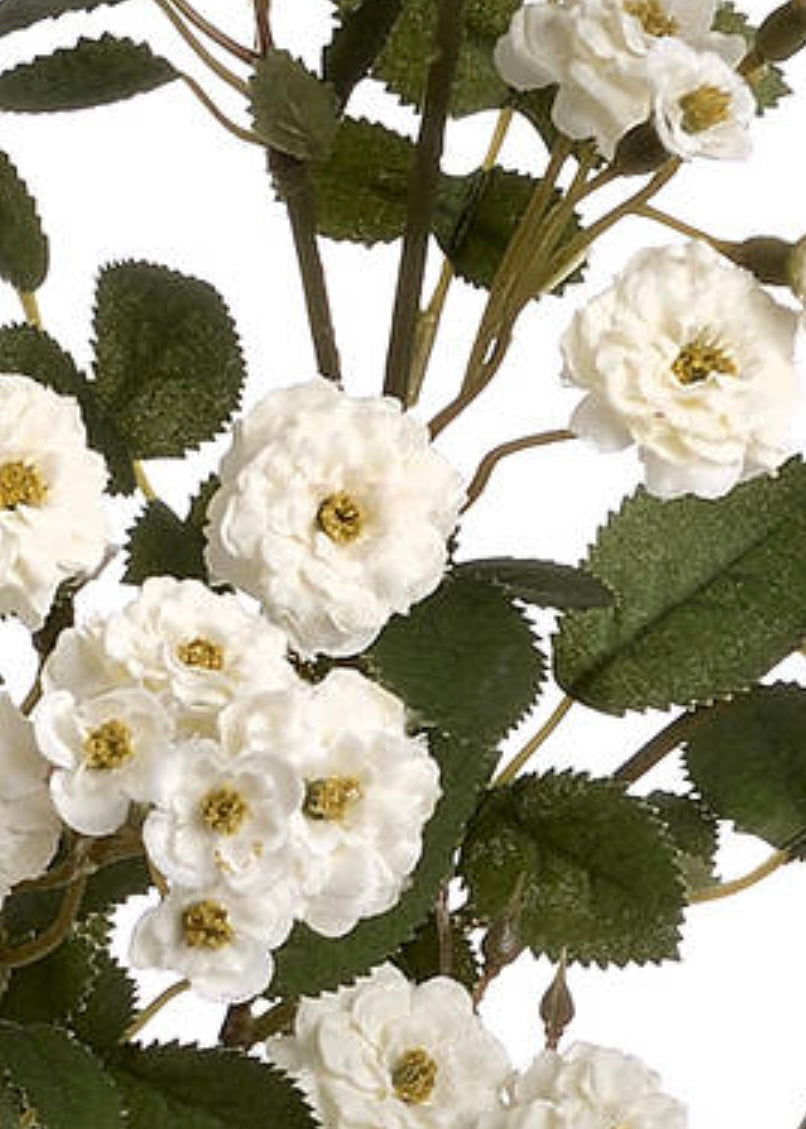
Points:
[701,107]
[596,1088]
[597,52]
[334,512]
[687,356]
[29,825]
[394,1055]
[52,522]
[108,752]
[218,940]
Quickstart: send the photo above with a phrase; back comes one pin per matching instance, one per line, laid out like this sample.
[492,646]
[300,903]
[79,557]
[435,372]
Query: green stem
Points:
[646,211]
[663,743]
[422,197]
[30,308]
[511,447]
[39,947]
[508,774]
[147,1014]
[229,125]
[274,1021]
[736,885]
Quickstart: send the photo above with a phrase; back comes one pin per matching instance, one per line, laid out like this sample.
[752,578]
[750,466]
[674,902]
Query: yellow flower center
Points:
[330,797]
[206,925]
[696,361]
[652,16]
[224,810]
[21,485]
[202,653]
[340,517]
[704,108]
[414,1076]
[108,746]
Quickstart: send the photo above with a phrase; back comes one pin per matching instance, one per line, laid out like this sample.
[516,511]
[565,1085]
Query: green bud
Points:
[640,151]
[783,33]
[765,256]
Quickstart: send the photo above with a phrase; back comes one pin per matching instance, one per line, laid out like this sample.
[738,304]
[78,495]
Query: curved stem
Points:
[231,127]
[30,308]
[147,1014]
[510,771]
[38,947]
[511,447]
[663,743]
[215,33]
[736,885]
[198,48]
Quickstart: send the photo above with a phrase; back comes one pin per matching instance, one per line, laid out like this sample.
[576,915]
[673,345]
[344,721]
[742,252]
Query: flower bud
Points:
[765,256]
[557,1007]
[783,33]
[640,151]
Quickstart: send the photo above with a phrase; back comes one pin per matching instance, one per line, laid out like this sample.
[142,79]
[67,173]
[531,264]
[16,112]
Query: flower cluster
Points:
[620,63]
[263,799]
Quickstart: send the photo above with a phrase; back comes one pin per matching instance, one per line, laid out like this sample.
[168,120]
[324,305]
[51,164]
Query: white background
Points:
[156,179]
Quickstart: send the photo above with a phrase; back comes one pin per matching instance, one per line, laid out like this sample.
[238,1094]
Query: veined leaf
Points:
[23,244]
[695,833]
[709,596]
[17,14]
[544,583]
[294,111]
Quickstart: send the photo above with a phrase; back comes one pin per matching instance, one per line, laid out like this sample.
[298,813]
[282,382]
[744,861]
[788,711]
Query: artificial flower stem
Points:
[736,885]
[198,48]
[30,308]
[143,483]
[147,1013]
[503,451]
[510,771]
[229,125]
[218,36]
[422,198]
[663,743]
[265,40]
[41,946]
[646,211]
[274,1021]
[236,1028]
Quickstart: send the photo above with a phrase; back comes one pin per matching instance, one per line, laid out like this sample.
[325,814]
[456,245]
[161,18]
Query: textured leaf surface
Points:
[93,73]
[162,544]
[23,245]
[59,1077]
[16,14]
[695,834]
[748,760]
[50,990]
[294,111]
[165,1087]
[464,660]
[709,596]
[168,360]
[592,869]
[357,40]
[768,84]
[544,583]
[419,958]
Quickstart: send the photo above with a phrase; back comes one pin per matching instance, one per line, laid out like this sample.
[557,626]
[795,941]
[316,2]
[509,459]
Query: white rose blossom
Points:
[597,51]
[52,521]
[394,1055]
[334,512]
[29,825]
[688,357]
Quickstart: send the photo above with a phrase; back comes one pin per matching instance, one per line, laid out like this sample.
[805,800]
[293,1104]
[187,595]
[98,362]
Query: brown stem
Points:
[236,1030]
[198,48]
[511,447]
[231,127]
[265,40]
[274,1021]
[663,743]
[216,34]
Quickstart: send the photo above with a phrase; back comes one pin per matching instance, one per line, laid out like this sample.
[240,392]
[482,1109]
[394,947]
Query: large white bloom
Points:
[394,1055]
[334,512]
[687,356]
[29,825]
[52,522]
[597,52]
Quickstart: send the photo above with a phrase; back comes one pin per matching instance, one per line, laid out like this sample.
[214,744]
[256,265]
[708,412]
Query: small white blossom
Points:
[334,512]
[52,521]
[220,941]
[108,752]
[687,356]
[29,825]
[394,1055]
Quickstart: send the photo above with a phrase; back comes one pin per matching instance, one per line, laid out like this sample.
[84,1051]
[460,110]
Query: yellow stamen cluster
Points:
[653,17]
[202,653]
[696,361]
[330,797]
[21,485]
[414,1076]
[206,925]
[224,810]
[340,517]
[704,108]
[109,746]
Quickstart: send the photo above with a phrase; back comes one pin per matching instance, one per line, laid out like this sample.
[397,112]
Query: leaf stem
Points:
[422,196]
[736,885]
[30,307]
[510,771]
[38,947]
[143,482]
[198,48]
[231,127]
[147,1013]
[245,54]
[663,743]
[503,451]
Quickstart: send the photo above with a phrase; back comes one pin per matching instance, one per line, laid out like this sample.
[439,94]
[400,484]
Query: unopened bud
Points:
[557,1007]
[783,33]
[501,944]
[640,151]
[765,256]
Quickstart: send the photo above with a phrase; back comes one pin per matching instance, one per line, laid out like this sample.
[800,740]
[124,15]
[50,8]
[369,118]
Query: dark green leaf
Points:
[748,760]
[709,596]
[695,834]
[23,244]
[463,660]
[309,963]
[358,39]
[767,83]
[165,1087]
[93,73]
[592,870]
[60,1079]
[50,990]
[419,958]
[544,583]
[294,111]
[16,14]
[168,361]
[161,544]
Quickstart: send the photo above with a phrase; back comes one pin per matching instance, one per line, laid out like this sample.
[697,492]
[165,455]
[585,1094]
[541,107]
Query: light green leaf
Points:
[748,761]
[23,244]
[294,111]
[709,596]
[16,14]
[544,583]
[592,870]
[695,834]
[93,73]
[168,361]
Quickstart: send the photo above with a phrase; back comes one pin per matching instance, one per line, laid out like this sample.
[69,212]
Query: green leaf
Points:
[309,963]
[165,1087]
[357,40]
[544,583]
[168,362]
[464,660]
[60,1079]
[592,869]
[767,83]
[695,834]
[51,989]
[16,14]
[161,544]
[23,244]
[93,73]
[419,958]
[709,596]
[294,111]
[748,760]
[107,1006]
